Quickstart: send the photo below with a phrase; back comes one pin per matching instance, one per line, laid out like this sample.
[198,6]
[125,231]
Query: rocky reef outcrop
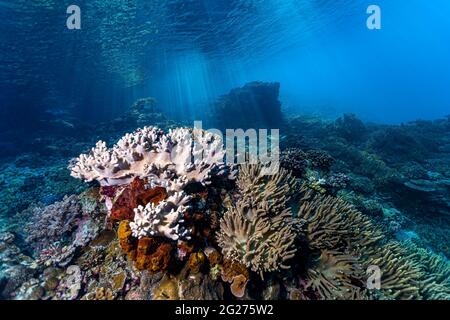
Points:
[255,105]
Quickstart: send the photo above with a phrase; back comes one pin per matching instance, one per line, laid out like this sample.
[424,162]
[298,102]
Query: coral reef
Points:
[350,128]
[55,232]
[166,218]
[332,223]
[124,200]
[295,160]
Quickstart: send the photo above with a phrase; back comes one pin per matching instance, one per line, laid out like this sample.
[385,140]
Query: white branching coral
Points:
[164,219]
[189,155]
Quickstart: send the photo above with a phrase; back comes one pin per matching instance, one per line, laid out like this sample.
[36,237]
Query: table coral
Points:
[191,154]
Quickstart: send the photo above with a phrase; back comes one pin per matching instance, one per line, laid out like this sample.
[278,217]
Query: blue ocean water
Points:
[187,52]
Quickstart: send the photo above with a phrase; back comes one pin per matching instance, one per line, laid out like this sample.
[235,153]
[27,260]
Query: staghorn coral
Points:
[192,155]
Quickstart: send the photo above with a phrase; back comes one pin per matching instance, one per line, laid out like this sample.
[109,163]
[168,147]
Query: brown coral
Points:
[167,290]
[127,242]
[333,275]
[259,242]
[213,256]
[231,269]
[100,293]
[331,223]
[145,247]
[238,286]
[132,196]
[196,261]
[160,260]
[259,231]
[147,252]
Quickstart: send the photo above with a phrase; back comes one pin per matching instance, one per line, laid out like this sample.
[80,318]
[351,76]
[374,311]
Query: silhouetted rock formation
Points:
[255,105]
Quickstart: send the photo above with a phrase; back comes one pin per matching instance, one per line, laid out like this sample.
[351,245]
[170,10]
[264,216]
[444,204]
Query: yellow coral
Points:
[167,290]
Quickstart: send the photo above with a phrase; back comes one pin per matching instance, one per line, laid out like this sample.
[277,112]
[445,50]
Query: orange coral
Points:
[160,260]
[126,240]
[147,253]
[196,261]
[238,286]
[231,269]
[214,257]
[144,250]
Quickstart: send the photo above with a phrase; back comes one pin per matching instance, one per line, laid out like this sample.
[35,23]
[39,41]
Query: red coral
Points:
[132,196]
